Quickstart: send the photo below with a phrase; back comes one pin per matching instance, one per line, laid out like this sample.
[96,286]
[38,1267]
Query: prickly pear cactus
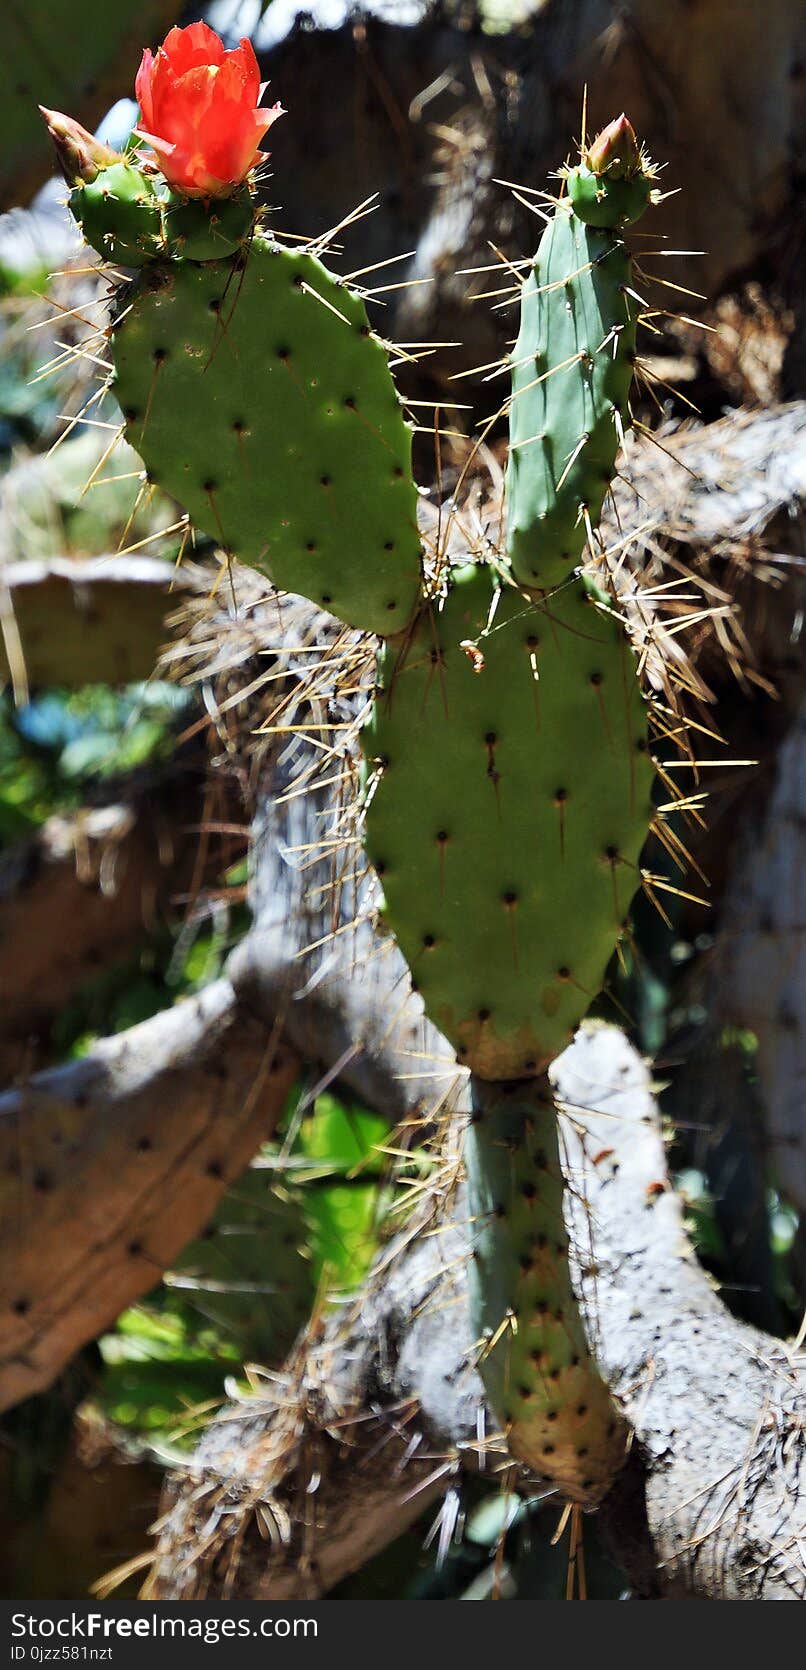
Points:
[509,812]
[256,393]
[508,771]
[573,363]
[536,1365]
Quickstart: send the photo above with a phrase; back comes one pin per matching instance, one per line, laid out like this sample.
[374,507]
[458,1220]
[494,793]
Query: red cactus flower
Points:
[199,110]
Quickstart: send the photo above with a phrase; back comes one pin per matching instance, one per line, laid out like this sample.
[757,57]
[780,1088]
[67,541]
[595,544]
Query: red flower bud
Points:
[79,155]
[615,150]
[199,109]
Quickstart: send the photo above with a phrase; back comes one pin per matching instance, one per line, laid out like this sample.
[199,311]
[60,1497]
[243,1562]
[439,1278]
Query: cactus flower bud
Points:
[80,156]
[199,110]
[615,151]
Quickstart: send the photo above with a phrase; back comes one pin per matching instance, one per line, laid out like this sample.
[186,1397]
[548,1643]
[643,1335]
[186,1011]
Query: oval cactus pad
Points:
[257,396]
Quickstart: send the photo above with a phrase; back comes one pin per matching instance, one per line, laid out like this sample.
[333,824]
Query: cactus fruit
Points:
[510,809]
[508,766]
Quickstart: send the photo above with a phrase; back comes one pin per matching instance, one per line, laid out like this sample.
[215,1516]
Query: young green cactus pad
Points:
[257,395]
[120,215]
[533,1355]
[572,367]
[512,802]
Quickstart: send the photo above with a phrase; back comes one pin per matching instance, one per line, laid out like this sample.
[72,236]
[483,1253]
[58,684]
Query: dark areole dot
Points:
[611,854]
[144,1145]
[388,545]
[21,1307]
[209,486]
[311,545]
[325,481]
[134,1249]
[442,836]
[560,797]
[490,738]
[428,941]
[548,1449]
[349,402]
[509,898]
[326,598]
[563,973]
[595,680]
[484,1015]
[214,1169]
[582,1409]
[528,1190]
[393,604]
[283,353]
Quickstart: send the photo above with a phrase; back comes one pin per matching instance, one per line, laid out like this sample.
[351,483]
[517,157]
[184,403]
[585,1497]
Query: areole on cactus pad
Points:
[508,767]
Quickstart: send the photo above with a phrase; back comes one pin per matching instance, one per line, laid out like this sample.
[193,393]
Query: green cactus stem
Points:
[533,1354]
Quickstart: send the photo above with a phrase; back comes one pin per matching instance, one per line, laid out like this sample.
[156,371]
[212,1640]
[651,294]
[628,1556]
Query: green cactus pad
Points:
[533,1355]
[602,201]
[257,396]
[571,373]
[509,814]
[120,215]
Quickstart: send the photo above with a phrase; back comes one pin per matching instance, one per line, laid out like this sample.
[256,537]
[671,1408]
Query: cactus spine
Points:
[508,760]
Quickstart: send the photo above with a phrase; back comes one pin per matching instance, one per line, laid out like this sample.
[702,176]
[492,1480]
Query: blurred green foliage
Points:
[300,1225]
